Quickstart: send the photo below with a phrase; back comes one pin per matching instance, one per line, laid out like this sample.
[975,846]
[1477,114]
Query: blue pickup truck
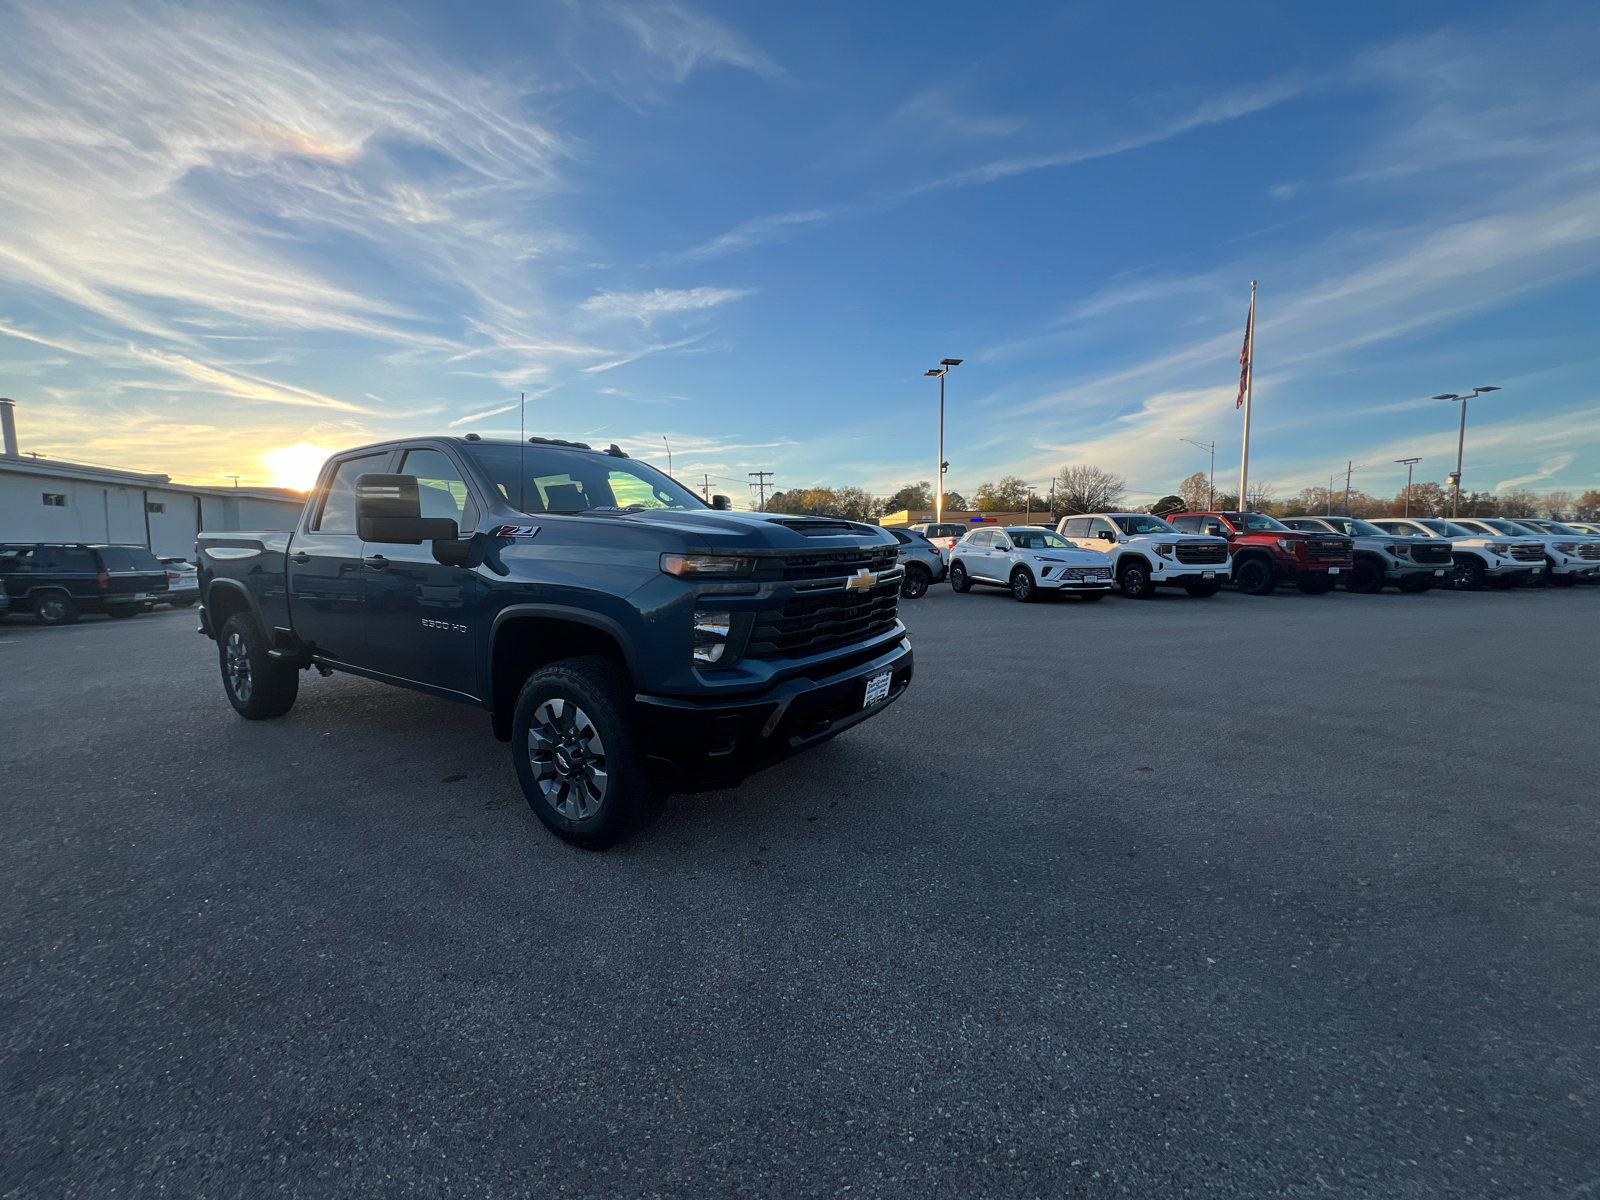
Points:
[628,639]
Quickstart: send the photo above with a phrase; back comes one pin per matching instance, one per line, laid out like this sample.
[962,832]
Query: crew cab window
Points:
[1100,525]
[1215,527]
[338,512]
[1132,525]
[1182,523]
[440,487]
[1077,527]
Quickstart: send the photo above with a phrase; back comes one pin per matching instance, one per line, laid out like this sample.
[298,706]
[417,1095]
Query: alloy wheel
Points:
[568,759]
[237,658]
[52,609]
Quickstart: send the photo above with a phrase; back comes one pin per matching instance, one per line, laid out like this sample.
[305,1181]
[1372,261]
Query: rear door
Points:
[978,554]
[327,597]
[420,612]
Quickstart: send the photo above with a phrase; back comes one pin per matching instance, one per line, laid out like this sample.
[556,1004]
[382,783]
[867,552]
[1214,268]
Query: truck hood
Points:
[736,532]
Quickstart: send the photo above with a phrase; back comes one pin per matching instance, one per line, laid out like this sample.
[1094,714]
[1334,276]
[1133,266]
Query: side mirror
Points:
[1107,536]
[389,509]
[721,503]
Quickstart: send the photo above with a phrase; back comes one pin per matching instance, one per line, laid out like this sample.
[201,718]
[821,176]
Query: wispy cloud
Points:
[646,307]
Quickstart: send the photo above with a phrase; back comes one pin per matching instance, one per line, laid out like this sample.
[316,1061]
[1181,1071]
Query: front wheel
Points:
[1134,580]
[1366,577]
[960,581]
[914,584]
[1471,574]
[1254,577]
[1023,587]
[576,756]
[259,686]
[1201,590]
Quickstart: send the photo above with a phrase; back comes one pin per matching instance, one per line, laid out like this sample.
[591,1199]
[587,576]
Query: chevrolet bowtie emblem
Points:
[862,580]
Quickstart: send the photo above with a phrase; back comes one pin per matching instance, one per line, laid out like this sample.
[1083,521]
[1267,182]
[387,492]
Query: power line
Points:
[761,483]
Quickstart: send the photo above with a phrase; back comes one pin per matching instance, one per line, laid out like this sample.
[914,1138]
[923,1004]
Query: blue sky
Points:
[234,238]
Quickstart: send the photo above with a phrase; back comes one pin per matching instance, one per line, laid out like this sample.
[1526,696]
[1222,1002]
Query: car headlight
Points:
[1567,547]
[711,635]
[1396,549]
[1500,548]
[1165,549]
[705,564]
[1287,545]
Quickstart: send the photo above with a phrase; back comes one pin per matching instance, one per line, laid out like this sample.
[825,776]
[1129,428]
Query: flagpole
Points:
[1249,386]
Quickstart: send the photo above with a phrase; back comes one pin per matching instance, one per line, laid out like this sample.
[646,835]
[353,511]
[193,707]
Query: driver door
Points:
[327,595]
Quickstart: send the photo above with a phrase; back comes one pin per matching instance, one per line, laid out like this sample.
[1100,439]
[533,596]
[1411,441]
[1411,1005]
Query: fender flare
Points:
[563,612]
[233,585]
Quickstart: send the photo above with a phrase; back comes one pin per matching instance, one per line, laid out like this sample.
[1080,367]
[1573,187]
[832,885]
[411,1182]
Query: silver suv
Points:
[1412,564]
[923,563]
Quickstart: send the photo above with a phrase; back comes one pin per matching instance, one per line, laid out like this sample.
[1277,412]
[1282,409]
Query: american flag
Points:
[1244,355]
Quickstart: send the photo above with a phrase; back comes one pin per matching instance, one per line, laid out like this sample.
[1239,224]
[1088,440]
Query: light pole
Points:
[938,497]
[1410,463]
[1461,441]
[1211,449]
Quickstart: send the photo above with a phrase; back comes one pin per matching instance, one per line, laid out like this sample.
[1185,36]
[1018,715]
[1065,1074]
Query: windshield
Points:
[1509,528]
[1451,529]
[554,479]
[1351,527]
[1255,522]
[1039,539]
[1558,527]
[1142,524]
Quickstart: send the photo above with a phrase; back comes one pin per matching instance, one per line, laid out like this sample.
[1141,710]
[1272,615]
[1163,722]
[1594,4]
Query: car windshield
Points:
[1255,522]
[1039,539]
[1509,528]
[1451,529]
[554,479]
[1132,525]
[1349,526]
[1558,527]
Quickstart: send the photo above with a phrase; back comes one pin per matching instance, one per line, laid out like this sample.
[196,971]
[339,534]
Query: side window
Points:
[1077,527]
[71,559]
[1214,527]
[441,488]
[15,558]
[1184,524]
[115,558]
[1099,525]
[981,539]
[903,538]
[338,512]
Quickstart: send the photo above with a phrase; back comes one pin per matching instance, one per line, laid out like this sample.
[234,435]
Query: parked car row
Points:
[59,581]
[1137,553]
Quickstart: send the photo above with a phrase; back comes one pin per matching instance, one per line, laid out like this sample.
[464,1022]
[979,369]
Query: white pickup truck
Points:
[1147,553]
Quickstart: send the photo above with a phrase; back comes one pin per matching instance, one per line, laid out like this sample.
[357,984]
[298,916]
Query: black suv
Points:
[59,581]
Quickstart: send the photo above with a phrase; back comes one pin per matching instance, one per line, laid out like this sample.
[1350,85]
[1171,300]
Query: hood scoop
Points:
[820,528]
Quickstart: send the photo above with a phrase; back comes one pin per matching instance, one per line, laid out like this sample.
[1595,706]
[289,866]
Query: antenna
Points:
[522,454]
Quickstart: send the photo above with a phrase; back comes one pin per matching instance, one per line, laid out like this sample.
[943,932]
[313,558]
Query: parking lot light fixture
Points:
[1461,440]
[941,371]
[1410,463]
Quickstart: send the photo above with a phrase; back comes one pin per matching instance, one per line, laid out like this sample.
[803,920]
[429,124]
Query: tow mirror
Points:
[721,502]
[389,509]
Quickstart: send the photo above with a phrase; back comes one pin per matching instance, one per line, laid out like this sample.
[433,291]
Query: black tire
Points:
[1316,587]
[1366,577]
[259,687]
[1133,578]
[576,754]
[1024,587]
[1201,590]
[960,581]
[1255,577]
[1471,574]
[914,584]
[1091,597]
[55,608]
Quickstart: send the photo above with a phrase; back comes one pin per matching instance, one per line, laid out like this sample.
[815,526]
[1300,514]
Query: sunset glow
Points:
[295,466]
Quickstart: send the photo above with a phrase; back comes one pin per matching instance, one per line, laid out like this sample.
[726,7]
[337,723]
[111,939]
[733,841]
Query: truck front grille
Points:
[1327,548]
[826,564]
[1196,553]
[1428,552]
[810,624]
[1530,552]
[1589,549]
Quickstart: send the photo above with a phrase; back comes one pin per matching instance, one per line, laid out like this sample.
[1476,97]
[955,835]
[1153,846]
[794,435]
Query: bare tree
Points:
[1259,496]
[1519,502]
[1196,492]
[1556,505]
[1086,489]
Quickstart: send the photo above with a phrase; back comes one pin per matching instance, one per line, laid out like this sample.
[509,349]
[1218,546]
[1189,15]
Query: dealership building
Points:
[51,500]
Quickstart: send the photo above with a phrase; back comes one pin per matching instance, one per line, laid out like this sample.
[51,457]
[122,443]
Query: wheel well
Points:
[524,644]
[1371,556]
[916,566]
[1252,556]
[1133,558]
[223,602]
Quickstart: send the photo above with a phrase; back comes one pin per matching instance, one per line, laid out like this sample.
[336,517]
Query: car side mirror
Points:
[389,509]
[721,503]
[1107,536]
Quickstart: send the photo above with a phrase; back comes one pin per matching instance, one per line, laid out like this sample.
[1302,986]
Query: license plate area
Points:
[1208,574]
[1333,570]
[877,688]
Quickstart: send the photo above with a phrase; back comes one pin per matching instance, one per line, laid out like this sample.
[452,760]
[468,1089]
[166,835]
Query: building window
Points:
[154,506]
[54,500]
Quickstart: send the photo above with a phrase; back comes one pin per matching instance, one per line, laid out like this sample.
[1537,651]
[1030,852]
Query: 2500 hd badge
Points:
[626,638]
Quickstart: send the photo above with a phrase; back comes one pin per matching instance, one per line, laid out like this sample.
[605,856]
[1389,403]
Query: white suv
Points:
[1568,555]
[1028,559]
[1479,558]
[1147,553]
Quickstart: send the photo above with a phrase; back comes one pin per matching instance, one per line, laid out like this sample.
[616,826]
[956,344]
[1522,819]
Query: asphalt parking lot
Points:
[1283,896]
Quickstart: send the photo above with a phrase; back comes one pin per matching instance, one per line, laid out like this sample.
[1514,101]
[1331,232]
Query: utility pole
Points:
[1211,449]
[761,485]
[705,487]
[1410,463]
[938,499]
[235,479]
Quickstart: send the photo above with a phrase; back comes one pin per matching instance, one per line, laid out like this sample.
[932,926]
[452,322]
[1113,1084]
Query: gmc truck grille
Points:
[1527,552]
[1589,549]
[827,564]
[1425,552]
[1327,549]
[1194,553]
[814,623]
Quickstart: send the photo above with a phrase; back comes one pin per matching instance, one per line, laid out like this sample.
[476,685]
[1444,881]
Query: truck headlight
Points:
[1500,548]
[1396,549]
[1567,547]
[711,635]
[1165,549]
[705,564]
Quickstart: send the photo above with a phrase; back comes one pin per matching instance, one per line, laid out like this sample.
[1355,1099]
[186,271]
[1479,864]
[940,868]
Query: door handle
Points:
[301,557]
[377,562]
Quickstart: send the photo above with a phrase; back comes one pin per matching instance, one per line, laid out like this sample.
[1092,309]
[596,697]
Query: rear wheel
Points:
[914,584]
[1134,580]
[55,608]
[1255,577]
[959,580]
[1023,587]
[259,686]
[576,756]
[1365,577]
[1202,590]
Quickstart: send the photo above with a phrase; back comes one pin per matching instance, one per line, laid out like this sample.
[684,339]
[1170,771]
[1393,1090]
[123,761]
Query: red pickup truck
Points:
[1266,552]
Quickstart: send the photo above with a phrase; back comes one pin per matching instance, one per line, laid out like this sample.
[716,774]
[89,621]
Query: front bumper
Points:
[1574,568]
[698,745]
[1067,583]
[1395,569]
[1185,575]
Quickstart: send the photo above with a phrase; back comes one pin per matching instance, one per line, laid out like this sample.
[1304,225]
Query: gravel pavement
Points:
[1282,896]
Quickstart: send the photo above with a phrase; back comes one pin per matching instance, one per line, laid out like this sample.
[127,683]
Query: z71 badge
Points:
[514,531]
